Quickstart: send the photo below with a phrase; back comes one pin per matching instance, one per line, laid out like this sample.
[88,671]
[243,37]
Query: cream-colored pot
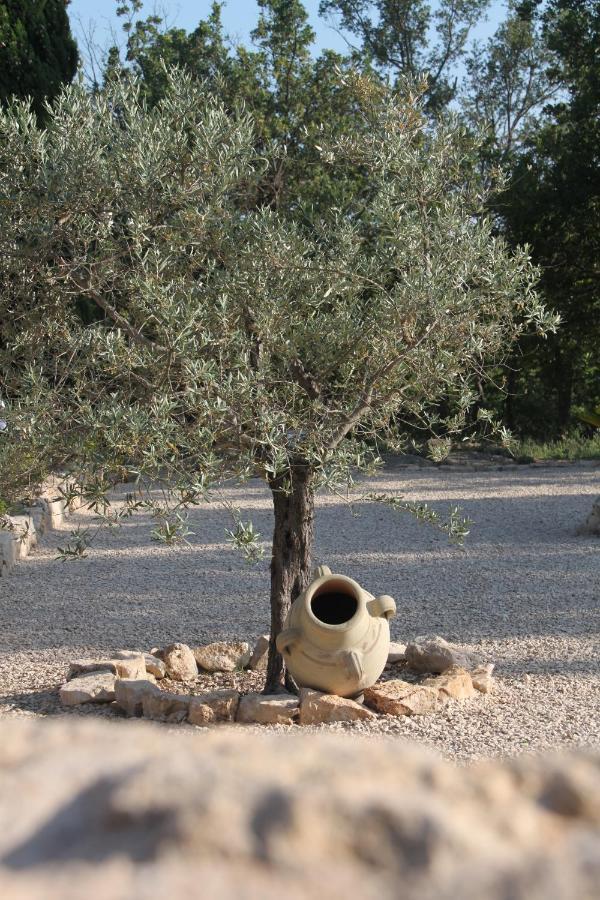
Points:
[336,636]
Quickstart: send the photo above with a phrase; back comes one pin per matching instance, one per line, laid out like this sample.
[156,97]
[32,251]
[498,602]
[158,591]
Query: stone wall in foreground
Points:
[126,811]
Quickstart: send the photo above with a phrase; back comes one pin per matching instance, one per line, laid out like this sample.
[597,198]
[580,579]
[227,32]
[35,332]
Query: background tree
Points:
[287,90]
[507,84]
[289,93]
[553,203]
[412,38]
[37,51]
[237,343]
[152,48]
[502,97]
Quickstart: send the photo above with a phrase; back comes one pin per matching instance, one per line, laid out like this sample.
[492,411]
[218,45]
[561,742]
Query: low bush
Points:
[576,445]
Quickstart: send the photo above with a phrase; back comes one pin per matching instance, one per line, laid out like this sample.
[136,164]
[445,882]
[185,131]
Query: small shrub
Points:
[576,445]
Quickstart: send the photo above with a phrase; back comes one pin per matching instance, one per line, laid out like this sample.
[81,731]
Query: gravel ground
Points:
[525,592]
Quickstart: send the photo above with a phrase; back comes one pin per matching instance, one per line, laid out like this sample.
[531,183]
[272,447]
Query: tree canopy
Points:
[411,38]
[37,51]
[230,340]
[507,89]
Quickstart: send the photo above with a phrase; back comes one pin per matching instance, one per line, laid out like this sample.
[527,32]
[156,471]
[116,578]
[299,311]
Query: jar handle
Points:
[286,638]
[382,606]
[320,571]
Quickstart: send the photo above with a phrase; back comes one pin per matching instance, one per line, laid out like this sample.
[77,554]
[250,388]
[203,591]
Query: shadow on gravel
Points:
[45,701]
[528,666]
[522,573]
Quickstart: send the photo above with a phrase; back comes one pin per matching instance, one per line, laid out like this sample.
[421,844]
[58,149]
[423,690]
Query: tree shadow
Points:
[522,571]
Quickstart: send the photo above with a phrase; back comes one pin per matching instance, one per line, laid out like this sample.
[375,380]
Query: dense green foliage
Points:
[531,90]
[288,93]
[273,328]
[37,51]
[553,202]
[573,446]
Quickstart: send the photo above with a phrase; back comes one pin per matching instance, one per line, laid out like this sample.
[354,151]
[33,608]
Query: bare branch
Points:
[305,379]
[367,400]
[84,287]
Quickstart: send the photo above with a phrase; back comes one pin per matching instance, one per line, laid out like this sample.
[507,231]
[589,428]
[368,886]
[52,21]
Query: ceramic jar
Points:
[336,635]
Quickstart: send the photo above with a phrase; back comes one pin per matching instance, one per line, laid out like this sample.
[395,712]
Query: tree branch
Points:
[366,400]
[304,379]
[84,287]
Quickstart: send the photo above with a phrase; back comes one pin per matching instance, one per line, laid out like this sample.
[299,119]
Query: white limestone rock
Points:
[216,706]
[268,709]
[260,654]
[396,653]
[431,653]
[482,678]
[317,708]
[95,687]
[180,663]
[164,706]
[78,667]
[155,666]
[91,809]
[400,698]
[8,552]
[124,663]
[453,684]
[130,693]
[223,656]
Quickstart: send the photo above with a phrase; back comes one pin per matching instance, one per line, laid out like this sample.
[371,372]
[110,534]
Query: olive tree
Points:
[153,321]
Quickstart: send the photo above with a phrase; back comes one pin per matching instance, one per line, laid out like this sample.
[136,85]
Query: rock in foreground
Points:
[223,656]
[396,653]
[123,663]
[154,666]
[268,709]
[318,709]
[454,684]
[482,678]
[435,654]
[94,687]
[180,663]
[217,706]
[165,707]
[400,698]
[260,654]
[113,811]
[130,693]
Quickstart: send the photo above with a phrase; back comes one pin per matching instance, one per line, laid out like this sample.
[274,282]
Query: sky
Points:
[239,18]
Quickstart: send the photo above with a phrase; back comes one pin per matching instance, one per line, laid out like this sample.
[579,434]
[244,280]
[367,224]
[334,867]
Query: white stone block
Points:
[54,512]
[25,534]
[8,552]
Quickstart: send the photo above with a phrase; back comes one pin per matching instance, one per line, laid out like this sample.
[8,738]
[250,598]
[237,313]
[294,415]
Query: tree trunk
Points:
[291,560]
[563,368]
[509,399]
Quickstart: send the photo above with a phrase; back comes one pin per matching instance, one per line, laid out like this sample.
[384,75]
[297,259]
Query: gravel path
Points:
[525,592]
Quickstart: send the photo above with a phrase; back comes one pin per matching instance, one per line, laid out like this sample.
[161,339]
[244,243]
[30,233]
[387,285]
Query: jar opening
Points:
[333,605]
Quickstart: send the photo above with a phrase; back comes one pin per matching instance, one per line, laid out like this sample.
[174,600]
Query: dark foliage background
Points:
[37,51]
